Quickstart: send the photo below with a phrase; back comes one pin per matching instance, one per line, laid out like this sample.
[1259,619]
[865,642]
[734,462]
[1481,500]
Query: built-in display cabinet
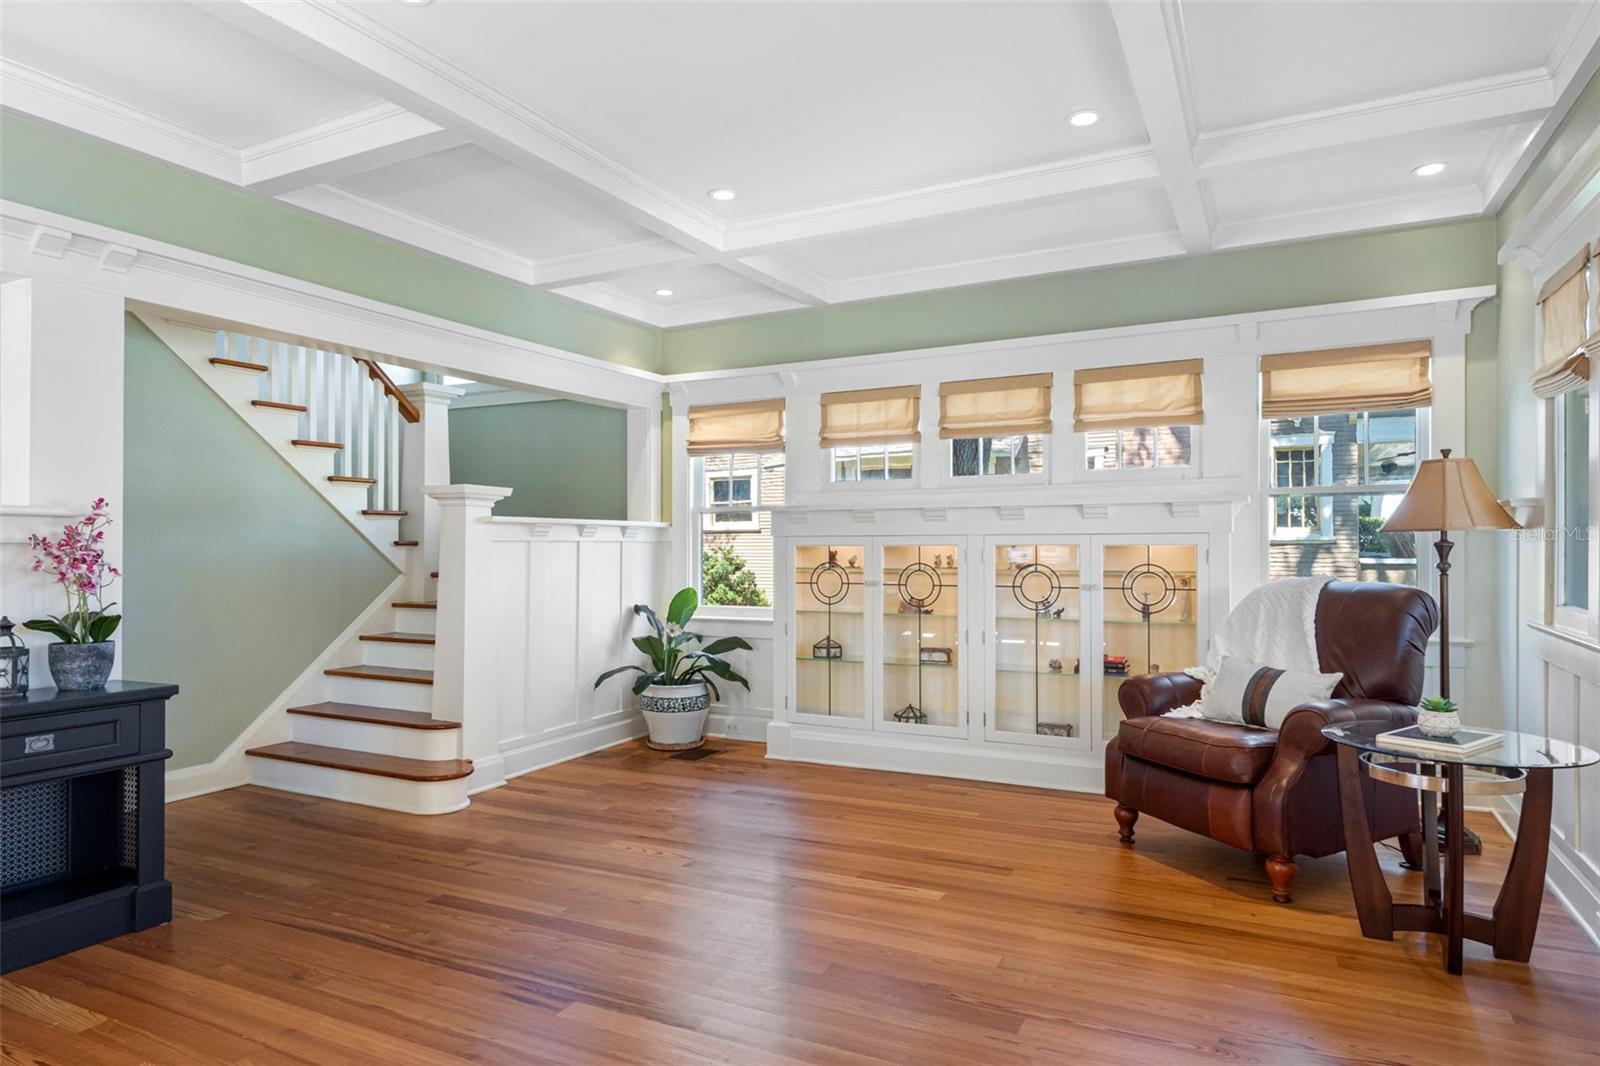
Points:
[991,654]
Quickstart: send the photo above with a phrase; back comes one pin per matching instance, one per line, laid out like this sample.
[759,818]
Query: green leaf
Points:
[603,678]
[103,626]
[683,606]
[54,627]
[653,648]
[726,672]
[726,644]
[644,611]
[643,683]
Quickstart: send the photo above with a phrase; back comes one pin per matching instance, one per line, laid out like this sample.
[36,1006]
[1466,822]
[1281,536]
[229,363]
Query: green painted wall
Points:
[241,573]
[59,170]
[562,459]
[1331,270]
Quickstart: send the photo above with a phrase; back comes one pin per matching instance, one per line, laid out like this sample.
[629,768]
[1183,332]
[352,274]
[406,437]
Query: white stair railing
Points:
[348,400]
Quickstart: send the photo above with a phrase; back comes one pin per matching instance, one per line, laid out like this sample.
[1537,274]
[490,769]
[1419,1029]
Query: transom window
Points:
[1139,448]
[873,462]
[1020,453]
[1332,481]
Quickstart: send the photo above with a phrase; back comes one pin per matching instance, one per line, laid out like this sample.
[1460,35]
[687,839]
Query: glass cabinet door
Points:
[1150,604]
[1041,685]
[921,627]
[830,632]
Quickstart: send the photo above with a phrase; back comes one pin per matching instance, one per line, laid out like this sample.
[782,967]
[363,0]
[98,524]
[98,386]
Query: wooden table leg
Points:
[1516,909]
[1430,849]
[1455,900]
[1374,904]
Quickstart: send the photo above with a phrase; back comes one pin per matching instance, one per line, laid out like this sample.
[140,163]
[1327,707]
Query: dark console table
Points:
[82,830]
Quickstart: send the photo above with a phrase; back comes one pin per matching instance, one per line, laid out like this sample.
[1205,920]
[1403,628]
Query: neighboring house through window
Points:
[1139,448]
[733,497]
[1020,453]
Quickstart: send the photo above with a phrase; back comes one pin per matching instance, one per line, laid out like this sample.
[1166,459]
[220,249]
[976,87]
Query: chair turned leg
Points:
[1126,816]
[1411,848]
[1281,869]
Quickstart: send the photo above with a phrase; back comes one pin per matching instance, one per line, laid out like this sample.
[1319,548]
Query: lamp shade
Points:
[1448,494]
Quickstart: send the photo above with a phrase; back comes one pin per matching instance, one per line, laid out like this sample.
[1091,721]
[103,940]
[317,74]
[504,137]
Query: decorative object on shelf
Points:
[1055,729]
[1055,666]
[910,713]
[938,561]
[853,562]
[1114,665]
[1438,716]
[82,657]
[1447,494]
[827,648]
[936,656]
[13,661]
[833,556]
[673,693]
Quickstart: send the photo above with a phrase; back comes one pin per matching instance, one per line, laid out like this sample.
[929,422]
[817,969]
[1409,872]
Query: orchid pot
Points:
[675,692]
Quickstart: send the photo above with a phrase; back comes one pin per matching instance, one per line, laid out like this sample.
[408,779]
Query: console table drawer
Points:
[49,741]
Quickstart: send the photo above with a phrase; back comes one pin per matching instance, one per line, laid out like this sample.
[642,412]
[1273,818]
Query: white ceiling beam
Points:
[1464,201]
[1060,180]
[45,96]
[1152,45]
[604,263]
[372,137]
[782,275]
[1485,102]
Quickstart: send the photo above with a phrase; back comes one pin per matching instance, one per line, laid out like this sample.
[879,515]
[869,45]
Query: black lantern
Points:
[13,661]
[827,648]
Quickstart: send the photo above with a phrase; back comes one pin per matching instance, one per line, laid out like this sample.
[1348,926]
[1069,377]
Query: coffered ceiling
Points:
[874,148]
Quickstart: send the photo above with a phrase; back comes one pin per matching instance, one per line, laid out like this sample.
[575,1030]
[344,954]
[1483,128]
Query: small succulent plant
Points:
[1440,704]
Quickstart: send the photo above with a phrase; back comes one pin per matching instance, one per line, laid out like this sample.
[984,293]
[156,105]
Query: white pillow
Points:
[1261,696]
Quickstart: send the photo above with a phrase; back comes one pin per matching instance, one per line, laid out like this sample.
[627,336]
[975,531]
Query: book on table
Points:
[1462,742]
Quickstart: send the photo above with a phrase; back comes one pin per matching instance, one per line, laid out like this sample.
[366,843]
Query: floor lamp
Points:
[1447,494]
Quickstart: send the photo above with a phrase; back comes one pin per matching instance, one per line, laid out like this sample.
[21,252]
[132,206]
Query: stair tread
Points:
[434,574]
[405,544]
[360,712]
[398,637]
[332,445]
[276,405]
[373,512]
[402,674]
[240,365]
[416,605]
[346,479]
[365,762]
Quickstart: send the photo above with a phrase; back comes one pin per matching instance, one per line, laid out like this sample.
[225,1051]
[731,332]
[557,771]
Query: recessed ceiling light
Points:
[1428,170]
[663,292]
[722,194]
[416,3]
[1083,118]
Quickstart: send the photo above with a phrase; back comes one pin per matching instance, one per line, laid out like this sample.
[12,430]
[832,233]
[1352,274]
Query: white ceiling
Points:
[877,148]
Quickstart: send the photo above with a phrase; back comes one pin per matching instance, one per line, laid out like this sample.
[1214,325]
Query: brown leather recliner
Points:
[1278,792]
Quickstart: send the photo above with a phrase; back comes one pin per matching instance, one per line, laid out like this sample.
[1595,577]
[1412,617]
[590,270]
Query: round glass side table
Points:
[1520,762]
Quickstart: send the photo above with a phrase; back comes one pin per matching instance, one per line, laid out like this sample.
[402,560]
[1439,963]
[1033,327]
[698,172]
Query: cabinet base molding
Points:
[1070,771]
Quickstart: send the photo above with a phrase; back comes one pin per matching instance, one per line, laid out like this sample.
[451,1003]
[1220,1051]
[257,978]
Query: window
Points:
[1574,508]
[1140,448]
[733,497]
[873,462]
[1019,453]
[1332,481]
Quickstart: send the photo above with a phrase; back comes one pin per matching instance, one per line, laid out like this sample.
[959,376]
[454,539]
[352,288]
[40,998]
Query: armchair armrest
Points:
[1301,736]
[1140,697]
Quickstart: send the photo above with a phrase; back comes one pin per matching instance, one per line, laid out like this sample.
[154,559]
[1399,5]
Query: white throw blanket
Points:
[1274,625]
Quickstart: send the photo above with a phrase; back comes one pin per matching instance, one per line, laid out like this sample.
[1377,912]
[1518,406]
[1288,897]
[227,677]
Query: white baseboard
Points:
[1564,876]
[1069,771]
[524,758]
[231,769]
[748,724]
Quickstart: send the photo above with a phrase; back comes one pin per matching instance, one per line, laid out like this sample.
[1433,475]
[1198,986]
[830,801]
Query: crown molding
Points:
[340,147]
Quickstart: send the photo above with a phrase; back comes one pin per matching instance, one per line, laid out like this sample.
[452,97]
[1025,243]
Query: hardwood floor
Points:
[634,907]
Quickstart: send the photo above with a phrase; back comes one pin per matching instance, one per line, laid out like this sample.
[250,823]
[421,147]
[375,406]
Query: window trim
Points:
[700,507]
[1583,621]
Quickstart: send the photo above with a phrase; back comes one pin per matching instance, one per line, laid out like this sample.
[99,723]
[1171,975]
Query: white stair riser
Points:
[396,694]
[237,387]
[377,739]
[349,498]
[383,653]
[410,797]
[415,620]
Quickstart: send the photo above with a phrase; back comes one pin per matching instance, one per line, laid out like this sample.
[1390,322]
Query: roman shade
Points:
[871,416]
[1564,351]
[756,426]
[1143,394]
[1375,378]
[994,407]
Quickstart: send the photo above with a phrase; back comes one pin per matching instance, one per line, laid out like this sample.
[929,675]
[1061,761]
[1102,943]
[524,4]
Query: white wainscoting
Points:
[739,714]
[1561,699]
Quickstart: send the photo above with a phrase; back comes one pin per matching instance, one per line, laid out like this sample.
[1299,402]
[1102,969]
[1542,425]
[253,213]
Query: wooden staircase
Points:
[370,735]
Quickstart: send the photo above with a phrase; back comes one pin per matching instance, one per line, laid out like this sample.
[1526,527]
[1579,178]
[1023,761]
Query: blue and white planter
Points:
[676,715]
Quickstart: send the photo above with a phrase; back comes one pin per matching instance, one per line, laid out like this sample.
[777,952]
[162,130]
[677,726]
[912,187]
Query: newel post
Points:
[464,657]
[424,460]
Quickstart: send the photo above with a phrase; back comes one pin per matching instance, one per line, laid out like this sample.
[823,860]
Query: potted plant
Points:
[83,653]
[673,693]
[1438,716]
